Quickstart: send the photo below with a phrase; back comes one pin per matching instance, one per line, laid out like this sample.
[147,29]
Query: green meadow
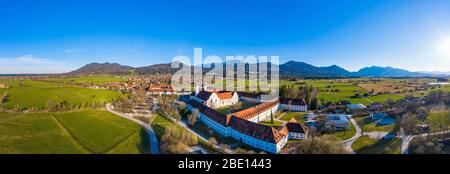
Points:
[98,80]
[36,94]
[88,131]
[366,145]
[334,91]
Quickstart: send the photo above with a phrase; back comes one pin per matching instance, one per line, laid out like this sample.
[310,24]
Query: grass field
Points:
[369,125]
[337,90]
[37,94]
[344,135]
[89,131]
[366,145]
[297,115]
[438,120]
[97,80]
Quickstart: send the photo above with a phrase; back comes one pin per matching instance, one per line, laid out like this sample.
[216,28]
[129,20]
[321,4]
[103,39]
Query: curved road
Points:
[154,145]
[406,139]
[348,143]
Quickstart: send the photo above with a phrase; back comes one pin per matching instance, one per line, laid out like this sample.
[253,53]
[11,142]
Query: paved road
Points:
[154,145]
[406,139]
[348,143]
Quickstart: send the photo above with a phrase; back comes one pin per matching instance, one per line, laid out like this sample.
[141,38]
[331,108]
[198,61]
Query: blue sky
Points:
[49,36]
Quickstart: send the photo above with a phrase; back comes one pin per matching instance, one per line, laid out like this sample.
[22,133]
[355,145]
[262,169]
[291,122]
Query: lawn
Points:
[366,145]
[438,120]
[234,108]
[442,118]
[299,116]
[369,125]
[89,131]
[98,80]
[37,94]
[274,124]
[345,134]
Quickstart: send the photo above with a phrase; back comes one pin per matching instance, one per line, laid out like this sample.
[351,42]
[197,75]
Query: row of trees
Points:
[177,142]
[4,98]
[123,104]
[305,92]
[54,106]
[428,145]
[438,97]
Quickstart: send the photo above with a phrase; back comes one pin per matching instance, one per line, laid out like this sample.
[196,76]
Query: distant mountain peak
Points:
[103,68]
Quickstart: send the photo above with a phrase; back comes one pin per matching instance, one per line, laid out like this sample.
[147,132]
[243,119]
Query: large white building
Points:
[216,99]
[293,104]
[337,121]
[243,125]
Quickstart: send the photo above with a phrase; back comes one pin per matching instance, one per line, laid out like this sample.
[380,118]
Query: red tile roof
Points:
[224,95]
[255,130]
[254,111]
[160,88]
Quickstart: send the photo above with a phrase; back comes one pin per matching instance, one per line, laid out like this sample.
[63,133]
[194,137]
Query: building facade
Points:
[216,99]
[293,104]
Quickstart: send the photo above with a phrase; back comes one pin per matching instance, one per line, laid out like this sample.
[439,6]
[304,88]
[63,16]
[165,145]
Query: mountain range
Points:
[288,69]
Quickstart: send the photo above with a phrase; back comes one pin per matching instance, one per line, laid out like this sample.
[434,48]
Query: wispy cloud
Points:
[27,60]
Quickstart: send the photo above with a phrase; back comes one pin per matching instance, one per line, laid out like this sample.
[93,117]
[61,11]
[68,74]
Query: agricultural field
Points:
[29,93]
[96,80]
[342,89]
[366,145]
[89,131]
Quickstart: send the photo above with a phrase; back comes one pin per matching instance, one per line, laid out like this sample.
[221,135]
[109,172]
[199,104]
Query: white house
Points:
[217,99]
[293,104]
[297,130]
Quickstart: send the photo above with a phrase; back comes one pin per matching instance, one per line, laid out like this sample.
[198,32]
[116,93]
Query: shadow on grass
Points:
[382,146]
[144,144]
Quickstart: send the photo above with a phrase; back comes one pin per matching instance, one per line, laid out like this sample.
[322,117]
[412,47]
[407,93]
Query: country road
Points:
[154,145]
